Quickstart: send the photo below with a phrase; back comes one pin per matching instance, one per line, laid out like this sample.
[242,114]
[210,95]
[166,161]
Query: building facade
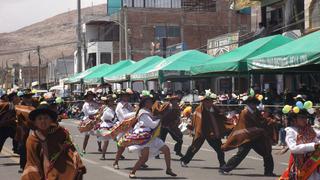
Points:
[152,26]
[59,69]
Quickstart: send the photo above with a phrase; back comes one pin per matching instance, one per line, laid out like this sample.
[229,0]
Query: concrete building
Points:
[135,29]
[312,15]
[150,26]
[59,69]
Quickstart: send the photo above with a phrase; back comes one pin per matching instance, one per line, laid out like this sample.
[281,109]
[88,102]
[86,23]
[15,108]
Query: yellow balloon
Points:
[296,110]
[260,97]
[287,108]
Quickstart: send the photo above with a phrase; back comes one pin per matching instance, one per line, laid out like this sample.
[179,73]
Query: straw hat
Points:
[43,109]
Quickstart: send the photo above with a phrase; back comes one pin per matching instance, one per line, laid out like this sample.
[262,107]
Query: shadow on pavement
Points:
[9,164]
[250,175]
[219,168]
[174,159]
[162,177]
[10,156]
[146,169]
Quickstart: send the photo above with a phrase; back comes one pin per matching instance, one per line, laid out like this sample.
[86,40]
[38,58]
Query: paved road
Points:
[204,165]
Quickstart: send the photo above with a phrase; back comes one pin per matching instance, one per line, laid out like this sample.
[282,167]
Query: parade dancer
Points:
[23,126]
[170,113]
[208,124]
[89,109]
[124,110]
[304,144]
[8,120]
[249,133]
[50,151]
[108,120]
[147,125]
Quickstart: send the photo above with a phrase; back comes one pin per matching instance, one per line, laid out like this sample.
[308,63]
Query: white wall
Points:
[99,47]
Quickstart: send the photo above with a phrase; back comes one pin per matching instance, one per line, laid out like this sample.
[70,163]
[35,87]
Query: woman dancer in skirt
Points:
[108,121]
[148,124]
[90,109]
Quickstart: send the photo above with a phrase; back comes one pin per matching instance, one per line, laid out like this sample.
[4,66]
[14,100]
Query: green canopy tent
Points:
[77,78]
[140,74]
[97,76]
[124,74]
[177,65]
[301,54]
[235,61]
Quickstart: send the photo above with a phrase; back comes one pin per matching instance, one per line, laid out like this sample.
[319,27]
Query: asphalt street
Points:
[204,165]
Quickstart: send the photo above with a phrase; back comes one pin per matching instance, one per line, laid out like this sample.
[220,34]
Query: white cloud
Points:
[15,14]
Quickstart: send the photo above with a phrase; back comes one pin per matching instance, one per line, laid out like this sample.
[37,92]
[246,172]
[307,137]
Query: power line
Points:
[35,48]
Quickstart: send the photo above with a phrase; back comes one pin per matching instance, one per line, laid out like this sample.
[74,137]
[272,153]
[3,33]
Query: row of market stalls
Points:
[269,55]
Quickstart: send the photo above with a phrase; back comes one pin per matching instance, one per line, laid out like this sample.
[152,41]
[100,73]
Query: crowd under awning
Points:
[97,77]
[176,66]
[78,78]
[124,73]
[270,54]
[236,61]
[302,53]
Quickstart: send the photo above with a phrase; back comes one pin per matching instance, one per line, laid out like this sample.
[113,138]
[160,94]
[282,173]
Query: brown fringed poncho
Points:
[249,128]
[206,123]
[53,157]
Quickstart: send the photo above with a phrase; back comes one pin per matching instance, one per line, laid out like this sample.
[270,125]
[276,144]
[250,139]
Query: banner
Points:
[222,44]
[241,4]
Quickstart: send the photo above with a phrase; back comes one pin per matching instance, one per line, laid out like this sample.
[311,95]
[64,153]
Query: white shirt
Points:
[124,111]
[108,118]
[89,109]
[291,140]
[146,123]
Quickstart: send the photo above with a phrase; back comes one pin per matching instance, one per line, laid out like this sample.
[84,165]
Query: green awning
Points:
[124,74]
[235,61]
[177,65]
[97,76]
[300,52]
[140,74]
[77,78]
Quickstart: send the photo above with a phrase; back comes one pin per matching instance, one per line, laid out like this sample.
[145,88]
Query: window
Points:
[92,60]
[105,58]
[196,5]
[167,31]
[152,3]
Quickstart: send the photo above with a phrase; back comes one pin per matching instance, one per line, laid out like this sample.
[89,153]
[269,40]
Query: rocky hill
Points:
[55,30]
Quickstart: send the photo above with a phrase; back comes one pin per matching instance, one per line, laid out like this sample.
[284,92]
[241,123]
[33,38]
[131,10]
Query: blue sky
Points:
[15,14]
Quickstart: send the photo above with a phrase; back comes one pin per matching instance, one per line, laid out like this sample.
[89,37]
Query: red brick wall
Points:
[198,26]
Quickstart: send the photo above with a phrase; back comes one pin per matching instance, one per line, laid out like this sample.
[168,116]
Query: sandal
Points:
[132,175]
[170,173]
[144,166]
[116,166]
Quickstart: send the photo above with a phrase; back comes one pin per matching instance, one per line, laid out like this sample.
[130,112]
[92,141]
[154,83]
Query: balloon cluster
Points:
[299,105]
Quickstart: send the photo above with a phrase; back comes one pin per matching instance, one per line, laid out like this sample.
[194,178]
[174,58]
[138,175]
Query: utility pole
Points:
[39,63]
[120,37]
[79,59]
[29,70]
[126,31]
